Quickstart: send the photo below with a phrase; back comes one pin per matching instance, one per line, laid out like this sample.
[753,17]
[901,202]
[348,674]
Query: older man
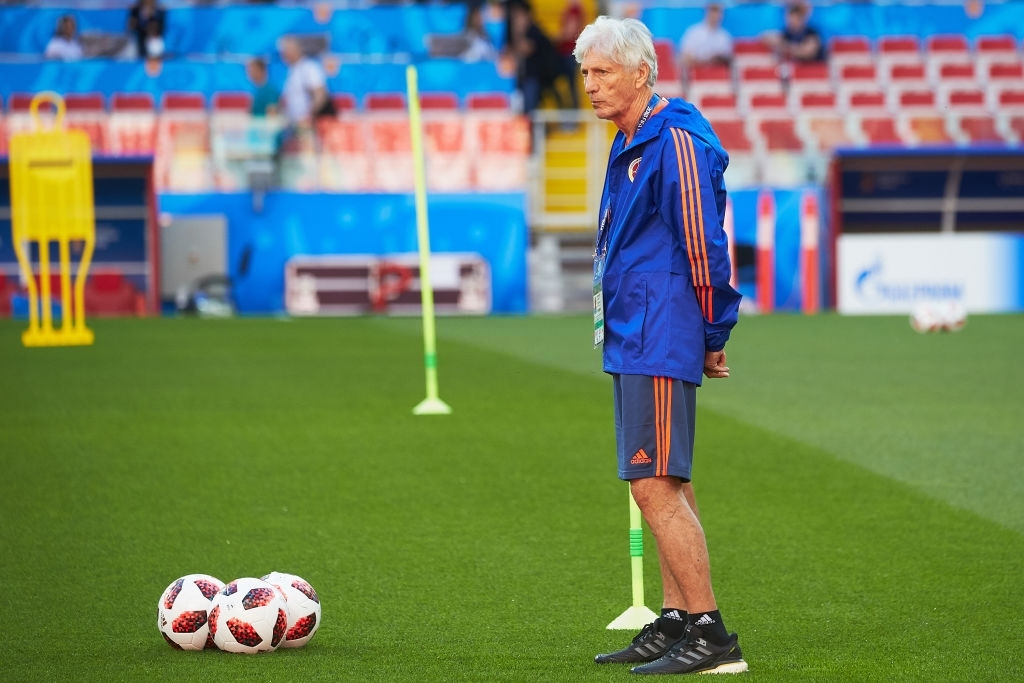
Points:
[663,309]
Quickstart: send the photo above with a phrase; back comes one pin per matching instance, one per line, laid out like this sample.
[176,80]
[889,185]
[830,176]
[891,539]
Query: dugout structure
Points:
[927,225]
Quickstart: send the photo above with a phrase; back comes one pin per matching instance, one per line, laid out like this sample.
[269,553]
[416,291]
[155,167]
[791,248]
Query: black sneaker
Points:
[647,646]
[693,654]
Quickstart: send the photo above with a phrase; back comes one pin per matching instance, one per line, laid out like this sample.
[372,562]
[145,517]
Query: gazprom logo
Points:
[873,284]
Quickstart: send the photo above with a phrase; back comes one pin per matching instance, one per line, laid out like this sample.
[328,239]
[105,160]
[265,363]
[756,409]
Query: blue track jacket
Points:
[665,283]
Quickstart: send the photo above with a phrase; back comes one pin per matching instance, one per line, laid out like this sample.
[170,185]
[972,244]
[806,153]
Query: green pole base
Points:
[636,617]
[432,406]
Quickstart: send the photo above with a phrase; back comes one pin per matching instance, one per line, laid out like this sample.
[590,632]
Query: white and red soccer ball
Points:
[249,615]
[938,316]
[182,615]
[303,607]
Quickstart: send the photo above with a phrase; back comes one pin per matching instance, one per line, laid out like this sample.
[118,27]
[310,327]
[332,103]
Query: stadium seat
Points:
[995,48]
[344,102]
[1009,115]
[751,52]
[132,102]
[718,105]
[443,101]
[232,102]
[904,78]
[109,293]
[855,78]
[779,134]
[183,102]
[87,112]
[945,49]
[669,79]
[820,122]
[879,130]
[501,145]
[8,287]
[849,50]
[809,78]
[955,76]
[391,146]
[895,49]
[757,80]
[1002,75]
[978,129]
[131,125]
[919,118]
[706,80]
[384,101]
[476,101]
[448,158]
[345,162]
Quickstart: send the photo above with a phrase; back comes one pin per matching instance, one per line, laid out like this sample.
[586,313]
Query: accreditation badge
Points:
[598,300]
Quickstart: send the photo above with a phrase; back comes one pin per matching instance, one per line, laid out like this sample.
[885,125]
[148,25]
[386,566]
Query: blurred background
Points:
[255,158]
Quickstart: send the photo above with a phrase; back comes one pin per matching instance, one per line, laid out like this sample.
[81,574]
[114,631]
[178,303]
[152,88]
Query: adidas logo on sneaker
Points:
[640,458]
[705,620]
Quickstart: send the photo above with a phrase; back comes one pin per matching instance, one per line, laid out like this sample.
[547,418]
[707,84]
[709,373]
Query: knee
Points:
[651,491]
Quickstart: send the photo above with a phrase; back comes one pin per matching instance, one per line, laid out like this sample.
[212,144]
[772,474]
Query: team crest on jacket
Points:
[633,166]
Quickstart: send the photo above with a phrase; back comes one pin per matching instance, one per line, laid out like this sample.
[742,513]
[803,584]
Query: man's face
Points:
[612,88]
[714,16]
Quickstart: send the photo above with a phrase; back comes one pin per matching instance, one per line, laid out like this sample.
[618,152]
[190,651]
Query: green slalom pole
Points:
[432,404]
[636,615]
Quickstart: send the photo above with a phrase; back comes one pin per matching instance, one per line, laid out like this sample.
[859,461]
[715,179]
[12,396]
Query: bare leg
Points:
[670,508]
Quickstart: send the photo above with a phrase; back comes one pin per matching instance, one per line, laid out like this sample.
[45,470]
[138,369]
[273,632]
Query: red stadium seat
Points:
[443,101]
[710,79]
[733,135]
[132,101]
[488,101]
[848,50]
[980,129]
[181,102]
[780,135]
[344,102]
[668,69]
[85,103]
[880,130]
[235,102]
[751,52]
[384,101]
[899,50]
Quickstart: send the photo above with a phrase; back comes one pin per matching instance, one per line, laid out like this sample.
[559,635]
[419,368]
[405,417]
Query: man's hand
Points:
[714,364]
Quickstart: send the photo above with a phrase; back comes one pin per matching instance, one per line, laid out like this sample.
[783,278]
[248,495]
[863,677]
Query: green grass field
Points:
[861,488]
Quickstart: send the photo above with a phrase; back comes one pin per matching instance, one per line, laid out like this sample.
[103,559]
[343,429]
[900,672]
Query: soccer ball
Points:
[182,615]
[249,615]
[953,315]
[303,607]
[925,318]
[938,316]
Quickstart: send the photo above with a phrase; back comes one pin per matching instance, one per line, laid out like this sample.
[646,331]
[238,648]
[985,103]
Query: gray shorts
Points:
[654,425]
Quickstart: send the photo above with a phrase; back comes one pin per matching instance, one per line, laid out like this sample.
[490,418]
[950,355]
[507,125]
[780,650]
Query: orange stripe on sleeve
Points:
[704,280]
[682,168]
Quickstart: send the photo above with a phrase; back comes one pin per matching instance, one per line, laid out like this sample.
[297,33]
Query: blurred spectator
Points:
[479,47]
[706,42]
[265,95]
[571,24]
[304,95]
[64,45]
[535,54]
[798,41]
[146,21]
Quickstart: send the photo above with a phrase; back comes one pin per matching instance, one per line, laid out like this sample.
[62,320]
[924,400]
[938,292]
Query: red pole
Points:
[765,251]
[810,223]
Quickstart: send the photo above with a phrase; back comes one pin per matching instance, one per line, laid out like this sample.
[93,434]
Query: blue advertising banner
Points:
[292,224]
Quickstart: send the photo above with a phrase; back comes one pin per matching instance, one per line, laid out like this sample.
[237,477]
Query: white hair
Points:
[625,41]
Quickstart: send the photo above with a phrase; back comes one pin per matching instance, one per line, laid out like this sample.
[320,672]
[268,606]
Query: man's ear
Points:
[641,75]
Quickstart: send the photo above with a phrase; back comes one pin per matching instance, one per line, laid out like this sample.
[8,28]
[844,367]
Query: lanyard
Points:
[655,99]
[600,246]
